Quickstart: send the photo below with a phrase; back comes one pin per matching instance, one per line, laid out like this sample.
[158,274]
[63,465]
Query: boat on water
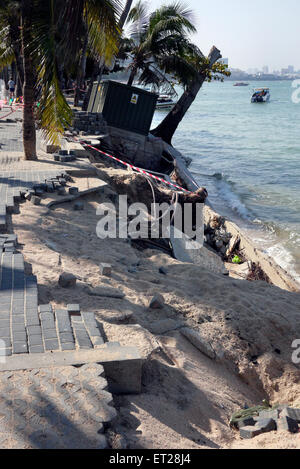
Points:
[261,95]
[241,84]
[165,101]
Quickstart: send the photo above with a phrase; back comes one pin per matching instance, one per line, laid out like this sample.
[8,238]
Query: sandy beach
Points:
[187,398]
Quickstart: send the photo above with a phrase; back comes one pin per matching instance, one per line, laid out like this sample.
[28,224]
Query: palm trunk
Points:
[29,132]
[167,128]
[81,70]
[16,37]
[132,76]
[125,14]
[169,125]
[90,87]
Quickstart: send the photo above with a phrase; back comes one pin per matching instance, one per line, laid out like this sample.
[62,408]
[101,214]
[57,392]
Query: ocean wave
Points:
[232,200]
[284,259]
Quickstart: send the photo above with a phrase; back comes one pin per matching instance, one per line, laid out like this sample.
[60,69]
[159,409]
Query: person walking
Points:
[12,87]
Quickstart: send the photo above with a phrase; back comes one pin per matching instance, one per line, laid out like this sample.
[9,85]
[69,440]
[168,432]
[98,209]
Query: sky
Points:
[251,34]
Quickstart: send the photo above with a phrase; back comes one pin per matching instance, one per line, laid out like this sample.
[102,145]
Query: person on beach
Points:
[11,86]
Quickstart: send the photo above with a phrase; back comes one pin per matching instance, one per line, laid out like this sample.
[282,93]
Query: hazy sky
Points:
[250,33]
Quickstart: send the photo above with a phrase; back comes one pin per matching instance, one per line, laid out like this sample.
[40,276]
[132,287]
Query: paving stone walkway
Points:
[11,139]
[58,406]
[62,408]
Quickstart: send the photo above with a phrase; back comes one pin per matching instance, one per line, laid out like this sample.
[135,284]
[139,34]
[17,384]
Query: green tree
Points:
[51,36]
[153,35]
[191,69]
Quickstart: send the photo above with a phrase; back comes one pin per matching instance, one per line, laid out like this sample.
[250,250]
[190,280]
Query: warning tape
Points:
[11,112]
[142,171]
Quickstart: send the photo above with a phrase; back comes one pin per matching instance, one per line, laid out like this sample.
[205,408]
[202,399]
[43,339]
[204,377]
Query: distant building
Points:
[291,69]
[265,69]
[224,61]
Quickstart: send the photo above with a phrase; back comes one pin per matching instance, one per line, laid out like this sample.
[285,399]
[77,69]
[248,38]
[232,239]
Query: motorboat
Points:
[261,95]
[165,101]
[241,84]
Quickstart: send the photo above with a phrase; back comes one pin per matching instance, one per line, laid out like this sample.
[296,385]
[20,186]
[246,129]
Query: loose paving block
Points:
[105,269]
[67,280]
[157,302]
[73,190]
[266,425]
[73,309]
[248,433]
[288,424]
[291,412]
[269,414]
[78,206]
[36,200]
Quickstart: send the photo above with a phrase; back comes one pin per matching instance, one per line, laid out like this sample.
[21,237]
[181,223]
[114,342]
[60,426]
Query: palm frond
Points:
[7,57]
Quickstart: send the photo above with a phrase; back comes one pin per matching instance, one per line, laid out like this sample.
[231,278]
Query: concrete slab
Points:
[122,365]
[200,256]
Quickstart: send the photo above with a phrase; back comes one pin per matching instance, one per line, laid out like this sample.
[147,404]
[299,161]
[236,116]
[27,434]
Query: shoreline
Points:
[277,274]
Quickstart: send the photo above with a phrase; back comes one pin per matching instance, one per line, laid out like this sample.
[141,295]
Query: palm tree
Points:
[61,42]
[10,39]
[29,132]
[152,35]
[191,68]
[99,64]
[51,32]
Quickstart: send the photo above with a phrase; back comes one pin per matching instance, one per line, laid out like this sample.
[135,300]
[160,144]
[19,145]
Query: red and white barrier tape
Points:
[135,168]
[11,112]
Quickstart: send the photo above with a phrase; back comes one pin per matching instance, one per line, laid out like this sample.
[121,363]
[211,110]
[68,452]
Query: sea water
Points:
[248,157]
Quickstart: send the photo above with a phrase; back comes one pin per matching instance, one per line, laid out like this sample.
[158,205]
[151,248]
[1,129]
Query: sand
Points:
[187,398]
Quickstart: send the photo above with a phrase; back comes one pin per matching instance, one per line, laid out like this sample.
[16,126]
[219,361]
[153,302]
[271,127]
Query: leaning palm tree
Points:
[191,69]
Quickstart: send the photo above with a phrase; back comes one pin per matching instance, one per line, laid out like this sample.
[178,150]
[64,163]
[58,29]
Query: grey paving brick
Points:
[6,352]
[66,337]
[35,340]
[45,308]
[20,347]
[20,319]
[51,345]
[46,316]
[48,325]
[70,346]
[19,336]
[97,341]
[36,349]
[50,334]
[5,332]
[73,308]
[34,330]
[4,323]
[18,328]
[32,320]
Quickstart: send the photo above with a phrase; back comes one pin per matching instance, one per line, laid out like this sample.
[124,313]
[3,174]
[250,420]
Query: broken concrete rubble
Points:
[282,418]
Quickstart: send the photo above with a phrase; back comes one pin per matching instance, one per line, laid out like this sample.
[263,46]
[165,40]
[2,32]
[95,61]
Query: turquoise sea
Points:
[248,157]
